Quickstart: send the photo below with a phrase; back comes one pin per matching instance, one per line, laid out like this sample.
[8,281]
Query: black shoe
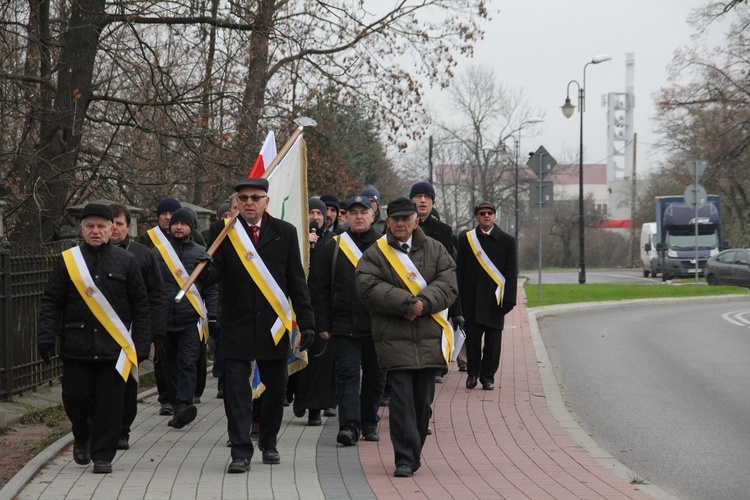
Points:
[271,457]
[166,409]
[347,436]
[438,379]
[313,418]
[81,453]
[403,471]
[385,401]
[298,409]
[102,467]
[184,417]
[197,400]
[370,435]
[330,412]
[123,443]
[239,466]
[462,368]
[286,401]
[220,394]
[471,382]
[488,386]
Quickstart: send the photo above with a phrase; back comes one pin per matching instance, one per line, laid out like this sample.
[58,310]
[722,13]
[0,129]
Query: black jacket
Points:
[152,279]
[64,313]
[246,316]
[341,310]
[313,275]
[443,233]
[181,315]
[476,288]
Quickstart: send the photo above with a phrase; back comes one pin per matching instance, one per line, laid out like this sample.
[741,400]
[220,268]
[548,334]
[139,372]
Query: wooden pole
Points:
[302,122]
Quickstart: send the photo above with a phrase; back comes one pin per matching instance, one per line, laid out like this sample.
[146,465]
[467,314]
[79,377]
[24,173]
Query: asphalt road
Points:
[662,386]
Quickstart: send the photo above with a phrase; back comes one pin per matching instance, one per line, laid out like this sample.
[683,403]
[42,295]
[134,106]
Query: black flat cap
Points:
[401,207]
[255,182]
[97,209]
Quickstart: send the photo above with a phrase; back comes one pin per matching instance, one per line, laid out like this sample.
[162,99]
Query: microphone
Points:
[314,230]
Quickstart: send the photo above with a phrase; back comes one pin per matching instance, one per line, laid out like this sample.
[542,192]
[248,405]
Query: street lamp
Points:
[567,110]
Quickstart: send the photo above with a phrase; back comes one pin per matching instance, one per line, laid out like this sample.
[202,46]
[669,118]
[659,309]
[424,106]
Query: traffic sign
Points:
[695,196]
[546,196]
[696,168]
[541,162]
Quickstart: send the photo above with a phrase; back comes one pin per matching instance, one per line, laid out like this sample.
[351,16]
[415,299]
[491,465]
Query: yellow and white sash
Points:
[350,249]
[262,277]
[488,266]
[415,282]
[127,362]
[180,275]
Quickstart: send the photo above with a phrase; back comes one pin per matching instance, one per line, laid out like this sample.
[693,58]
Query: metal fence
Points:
[23,275]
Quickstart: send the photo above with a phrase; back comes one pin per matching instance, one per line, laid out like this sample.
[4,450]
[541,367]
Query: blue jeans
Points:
[358,408]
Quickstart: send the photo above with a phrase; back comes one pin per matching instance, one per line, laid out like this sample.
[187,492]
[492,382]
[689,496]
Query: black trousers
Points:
[129,406]
[180,359]
[93,394]
[412,392]
[316,382]
[483,362]
[238,404]
[162,382]
[201,371]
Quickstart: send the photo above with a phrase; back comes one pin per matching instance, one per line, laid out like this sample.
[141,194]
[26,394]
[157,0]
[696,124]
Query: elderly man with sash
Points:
[96,302]
[487,275]
[260,270]
[343,316]
[408,281]
[187,320]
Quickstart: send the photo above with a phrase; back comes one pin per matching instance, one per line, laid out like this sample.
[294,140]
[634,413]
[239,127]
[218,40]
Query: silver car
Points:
[730,267]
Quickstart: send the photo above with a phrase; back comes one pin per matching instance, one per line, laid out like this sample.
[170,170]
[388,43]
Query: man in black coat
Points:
[423,196]
[157,299]
[483,306]
[250,326]
[187,325]
[344,317]
[89,284]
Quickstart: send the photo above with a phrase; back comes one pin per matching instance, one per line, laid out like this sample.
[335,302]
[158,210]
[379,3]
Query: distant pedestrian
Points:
[378,217]
[96,302]
[487,275]
[408,281]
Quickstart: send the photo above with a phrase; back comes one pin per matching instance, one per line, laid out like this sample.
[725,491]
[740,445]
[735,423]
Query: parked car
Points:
[730,267]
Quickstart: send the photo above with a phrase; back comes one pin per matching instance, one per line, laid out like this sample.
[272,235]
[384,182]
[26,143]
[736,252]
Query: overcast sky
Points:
[540,45]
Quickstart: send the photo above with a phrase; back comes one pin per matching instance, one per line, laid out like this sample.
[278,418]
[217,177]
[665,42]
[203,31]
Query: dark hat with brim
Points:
[255,182]
[97,209]
[485,205]
[358,200]
[401,207]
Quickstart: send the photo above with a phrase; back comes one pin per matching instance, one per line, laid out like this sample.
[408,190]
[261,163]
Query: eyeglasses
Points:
[485,213]
[256,197]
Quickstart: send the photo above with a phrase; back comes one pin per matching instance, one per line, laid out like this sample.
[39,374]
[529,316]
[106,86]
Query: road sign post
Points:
[541,163]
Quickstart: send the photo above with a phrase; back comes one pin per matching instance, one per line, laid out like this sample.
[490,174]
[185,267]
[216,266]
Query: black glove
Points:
[46,351]
[459,321]
[508,308]
[213,328]
[204,257]
[307,338]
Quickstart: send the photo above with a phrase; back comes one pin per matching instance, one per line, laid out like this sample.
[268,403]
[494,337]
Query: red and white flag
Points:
[266,156]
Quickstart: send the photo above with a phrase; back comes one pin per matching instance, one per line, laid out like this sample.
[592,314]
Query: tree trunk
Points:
[54,169]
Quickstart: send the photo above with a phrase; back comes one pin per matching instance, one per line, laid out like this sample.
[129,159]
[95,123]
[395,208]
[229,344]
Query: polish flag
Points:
[266,156]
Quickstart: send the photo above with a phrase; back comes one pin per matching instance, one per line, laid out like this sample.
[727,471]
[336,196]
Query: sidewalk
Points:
[504,443]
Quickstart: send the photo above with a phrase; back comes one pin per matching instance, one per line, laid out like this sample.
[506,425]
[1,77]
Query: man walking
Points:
[487,276]
[187,321]
[95,301]
[260,271]
[344,317]
[408,281]
[157,299]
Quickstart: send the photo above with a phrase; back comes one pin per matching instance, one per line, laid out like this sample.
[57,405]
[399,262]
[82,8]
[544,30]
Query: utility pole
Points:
[633,196]
[429,163]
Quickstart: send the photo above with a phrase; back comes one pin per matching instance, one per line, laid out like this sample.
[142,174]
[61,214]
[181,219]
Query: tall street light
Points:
[567,110]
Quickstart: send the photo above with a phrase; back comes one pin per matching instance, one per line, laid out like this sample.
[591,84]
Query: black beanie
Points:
[184,215]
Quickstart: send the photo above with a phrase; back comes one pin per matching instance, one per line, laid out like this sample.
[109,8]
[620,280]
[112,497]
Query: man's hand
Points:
[458,321]
[213,328]
[508,308]
[46,351]
[325,335]
[306,339]
[204,257]
[417,310]
[314,238]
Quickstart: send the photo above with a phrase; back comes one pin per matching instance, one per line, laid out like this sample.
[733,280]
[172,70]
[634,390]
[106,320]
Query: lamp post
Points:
[567,110]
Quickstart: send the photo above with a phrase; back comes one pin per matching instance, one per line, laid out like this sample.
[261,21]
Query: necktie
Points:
[255,230]
[405,247]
